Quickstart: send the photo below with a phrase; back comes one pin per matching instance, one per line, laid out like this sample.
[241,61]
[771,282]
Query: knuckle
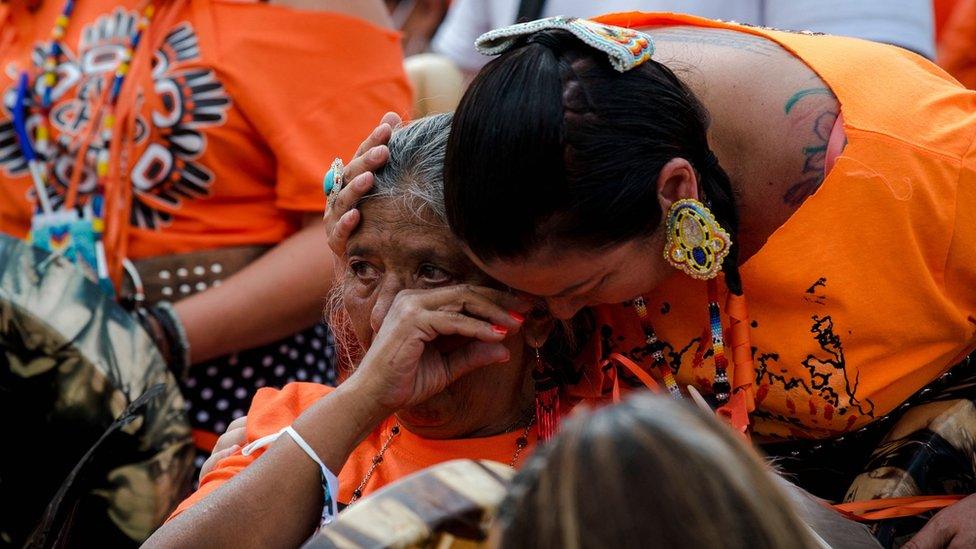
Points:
[456,317]
[406,302]
[238,435]
[342,201]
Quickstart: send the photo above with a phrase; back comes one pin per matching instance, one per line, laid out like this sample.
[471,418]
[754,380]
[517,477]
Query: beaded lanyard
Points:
[50,77]
[48,81]
[657,352]
[721,387]
[108,117]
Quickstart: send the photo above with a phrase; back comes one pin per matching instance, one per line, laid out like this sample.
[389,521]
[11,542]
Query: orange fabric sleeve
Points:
[313,90]
[960,269]
[271,410]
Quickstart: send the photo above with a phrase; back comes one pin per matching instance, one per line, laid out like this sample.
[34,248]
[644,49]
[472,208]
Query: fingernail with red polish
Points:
[518,318]
[499,329]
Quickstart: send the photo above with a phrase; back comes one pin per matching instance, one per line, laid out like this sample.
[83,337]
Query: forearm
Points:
[277,501]
[276,296]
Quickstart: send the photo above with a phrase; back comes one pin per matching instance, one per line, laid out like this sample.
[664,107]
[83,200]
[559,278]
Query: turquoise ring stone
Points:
[329,181]
[332,183]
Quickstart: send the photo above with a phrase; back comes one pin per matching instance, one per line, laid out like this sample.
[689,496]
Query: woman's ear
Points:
[676,181]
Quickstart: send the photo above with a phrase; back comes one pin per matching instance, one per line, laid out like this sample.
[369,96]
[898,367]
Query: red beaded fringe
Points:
[546,399]
[547,412]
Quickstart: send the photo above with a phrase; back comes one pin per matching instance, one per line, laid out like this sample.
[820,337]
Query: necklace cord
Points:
[520,444]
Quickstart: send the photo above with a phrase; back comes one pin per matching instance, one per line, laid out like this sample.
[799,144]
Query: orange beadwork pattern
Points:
[637,42]
[625,47]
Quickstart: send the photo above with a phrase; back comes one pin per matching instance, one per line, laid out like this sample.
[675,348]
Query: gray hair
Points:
[414,176]
[412,179]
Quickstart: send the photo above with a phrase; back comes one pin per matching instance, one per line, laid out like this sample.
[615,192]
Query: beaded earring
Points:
[546,397]
[696,244]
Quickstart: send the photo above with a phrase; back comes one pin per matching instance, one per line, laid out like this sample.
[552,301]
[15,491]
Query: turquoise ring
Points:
[332,183]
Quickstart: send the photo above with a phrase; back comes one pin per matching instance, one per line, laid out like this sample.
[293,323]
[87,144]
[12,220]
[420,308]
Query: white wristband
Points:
[330,483]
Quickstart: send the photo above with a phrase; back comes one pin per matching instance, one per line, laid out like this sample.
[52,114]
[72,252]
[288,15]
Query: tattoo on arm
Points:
[722,38]
[815,152]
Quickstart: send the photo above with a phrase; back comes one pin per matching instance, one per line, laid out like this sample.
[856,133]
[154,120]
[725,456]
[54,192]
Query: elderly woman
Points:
[446,372]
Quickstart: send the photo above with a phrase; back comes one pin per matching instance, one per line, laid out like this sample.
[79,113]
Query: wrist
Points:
[177,342]
[368,395]
[163,325]
[333,438]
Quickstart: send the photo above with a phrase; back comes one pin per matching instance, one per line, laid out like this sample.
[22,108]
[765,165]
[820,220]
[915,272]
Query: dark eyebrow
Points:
[428,253]
[358,250]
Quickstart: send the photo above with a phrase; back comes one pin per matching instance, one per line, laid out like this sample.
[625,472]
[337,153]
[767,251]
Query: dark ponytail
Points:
[551,146]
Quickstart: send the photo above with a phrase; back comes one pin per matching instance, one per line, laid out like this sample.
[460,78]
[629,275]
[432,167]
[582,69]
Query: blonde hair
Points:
[648,472]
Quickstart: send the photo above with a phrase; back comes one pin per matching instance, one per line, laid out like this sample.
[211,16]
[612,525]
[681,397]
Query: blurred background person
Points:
[956,34]
[197,133]
[648,473]
[905,23]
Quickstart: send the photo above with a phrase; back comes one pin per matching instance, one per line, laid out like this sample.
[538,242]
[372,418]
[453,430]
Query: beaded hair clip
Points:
[626,48]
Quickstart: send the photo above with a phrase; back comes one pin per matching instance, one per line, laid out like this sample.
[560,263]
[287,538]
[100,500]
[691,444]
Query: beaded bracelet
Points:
[330,483]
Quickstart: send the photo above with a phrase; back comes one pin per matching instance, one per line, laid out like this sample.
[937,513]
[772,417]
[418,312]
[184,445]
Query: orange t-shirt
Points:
[274,409]
[237,108]
[868,292]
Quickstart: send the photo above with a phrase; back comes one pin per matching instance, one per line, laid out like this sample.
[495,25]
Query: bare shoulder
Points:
[373,11]
[678,37]
[771,114]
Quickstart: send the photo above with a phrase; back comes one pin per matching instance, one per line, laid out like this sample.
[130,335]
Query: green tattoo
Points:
[815,153]
[796,97]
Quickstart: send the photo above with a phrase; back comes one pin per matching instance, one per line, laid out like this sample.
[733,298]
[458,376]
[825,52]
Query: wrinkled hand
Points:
[430,338]
[341,216]
[953,527]
[228,443]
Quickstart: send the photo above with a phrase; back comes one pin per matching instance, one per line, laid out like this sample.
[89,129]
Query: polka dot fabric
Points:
[220,391]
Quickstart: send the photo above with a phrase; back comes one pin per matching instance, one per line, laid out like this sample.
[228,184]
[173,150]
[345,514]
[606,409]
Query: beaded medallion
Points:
[697,244]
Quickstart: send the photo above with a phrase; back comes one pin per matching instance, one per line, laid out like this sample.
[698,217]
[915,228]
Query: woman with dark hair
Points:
[663,179]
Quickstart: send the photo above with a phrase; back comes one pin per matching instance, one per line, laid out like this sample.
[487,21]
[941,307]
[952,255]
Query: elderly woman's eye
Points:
[363,270]
[433,275]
